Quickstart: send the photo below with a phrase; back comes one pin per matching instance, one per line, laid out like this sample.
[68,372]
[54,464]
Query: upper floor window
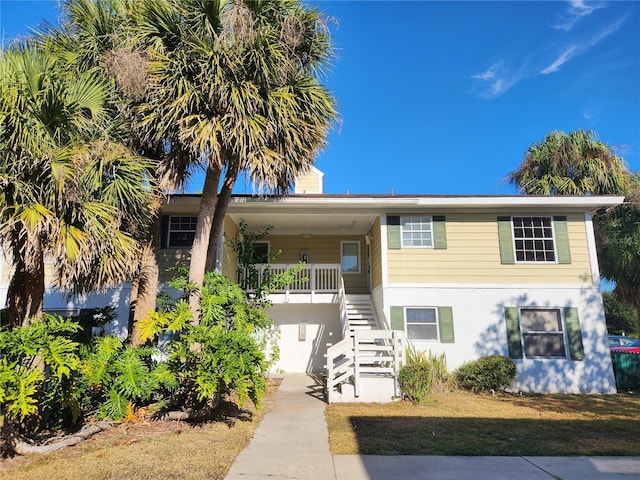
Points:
[416,231]
[533,239]
[182,231]
[350,257]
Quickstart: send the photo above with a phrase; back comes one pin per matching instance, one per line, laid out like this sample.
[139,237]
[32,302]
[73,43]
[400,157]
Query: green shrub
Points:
[38,364]
[415,381]
[422,373]
[494,372]
[220,355]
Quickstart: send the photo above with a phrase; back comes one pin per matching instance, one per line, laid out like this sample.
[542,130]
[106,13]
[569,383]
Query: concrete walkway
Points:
[291,442]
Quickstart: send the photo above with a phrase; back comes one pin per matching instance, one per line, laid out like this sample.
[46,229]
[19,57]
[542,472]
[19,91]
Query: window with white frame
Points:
[421,323]
[182,231]
[350,257]
[533,239]
[542,332]
[417,231]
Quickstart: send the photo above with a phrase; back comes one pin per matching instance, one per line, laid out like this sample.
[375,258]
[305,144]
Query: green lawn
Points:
[461,423]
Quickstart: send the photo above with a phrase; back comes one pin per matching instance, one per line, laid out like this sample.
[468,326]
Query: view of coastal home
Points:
[467,276]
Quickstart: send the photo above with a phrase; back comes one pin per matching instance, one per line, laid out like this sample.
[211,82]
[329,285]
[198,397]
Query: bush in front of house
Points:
[415,381]
[494,372]
[421,374]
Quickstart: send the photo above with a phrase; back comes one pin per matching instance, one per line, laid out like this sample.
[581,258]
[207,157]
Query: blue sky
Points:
[445,97]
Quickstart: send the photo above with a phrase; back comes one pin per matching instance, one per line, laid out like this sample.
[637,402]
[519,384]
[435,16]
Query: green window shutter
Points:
[397,318]
[164,231]
[562,239]
[439,233]
[505,240]
[574,333]
[514,337]
[445,319]
[393,232]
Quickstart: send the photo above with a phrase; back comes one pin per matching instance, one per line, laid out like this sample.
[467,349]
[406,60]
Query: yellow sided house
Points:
[467,276]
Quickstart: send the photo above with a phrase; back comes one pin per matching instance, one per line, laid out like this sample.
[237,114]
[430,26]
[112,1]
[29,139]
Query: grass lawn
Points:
[462,423]
[166,450]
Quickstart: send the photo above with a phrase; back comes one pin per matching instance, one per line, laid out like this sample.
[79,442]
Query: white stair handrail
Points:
[344,317]
[339,364]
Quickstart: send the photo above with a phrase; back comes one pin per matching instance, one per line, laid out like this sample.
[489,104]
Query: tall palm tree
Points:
[235,84]
[570,164]
[578,164]
[229,87]
[618,238]
[71,194]
[107,35]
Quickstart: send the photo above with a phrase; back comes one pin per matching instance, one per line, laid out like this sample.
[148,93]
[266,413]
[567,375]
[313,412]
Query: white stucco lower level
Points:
[302,348]
[479,326]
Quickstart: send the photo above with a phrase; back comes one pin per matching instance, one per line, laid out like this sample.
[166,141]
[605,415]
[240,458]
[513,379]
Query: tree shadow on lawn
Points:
[410,435]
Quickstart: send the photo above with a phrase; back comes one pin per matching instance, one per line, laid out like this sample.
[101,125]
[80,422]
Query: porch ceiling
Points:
[300,223]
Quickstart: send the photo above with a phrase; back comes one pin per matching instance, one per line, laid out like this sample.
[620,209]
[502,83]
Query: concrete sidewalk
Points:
[291,442]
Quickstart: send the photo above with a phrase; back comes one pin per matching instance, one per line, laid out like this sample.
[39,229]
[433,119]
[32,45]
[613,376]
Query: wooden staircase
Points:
[360,313]
[363,366]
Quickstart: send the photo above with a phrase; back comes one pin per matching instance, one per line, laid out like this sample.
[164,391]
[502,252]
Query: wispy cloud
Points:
[577,10]
[577,48]
[488,74]
[543,60]
[498,78]
[561,60]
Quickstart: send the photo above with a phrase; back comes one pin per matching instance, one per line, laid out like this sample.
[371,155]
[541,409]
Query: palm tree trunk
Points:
[26,288]
[218,217]
[203,231]
[146,285]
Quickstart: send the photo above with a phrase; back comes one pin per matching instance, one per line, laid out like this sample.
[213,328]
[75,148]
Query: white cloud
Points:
[497,79]
[502,75]
[576,49]
[577,10]
[561,60]
[488,74]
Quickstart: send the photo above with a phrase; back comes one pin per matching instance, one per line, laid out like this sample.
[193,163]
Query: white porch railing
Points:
[342,302]
[313,278]
[377,352]
[340,367]
[372,352]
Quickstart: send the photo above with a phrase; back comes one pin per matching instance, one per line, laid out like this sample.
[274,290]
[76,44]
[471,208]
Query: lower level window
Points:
[422,323]
[542,332]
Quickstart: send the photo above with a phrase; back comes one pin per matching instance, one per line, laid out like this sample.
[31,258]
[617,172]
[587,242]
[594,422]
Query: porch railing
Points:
[344,316]
[368,352]
[313,278]
[339,365]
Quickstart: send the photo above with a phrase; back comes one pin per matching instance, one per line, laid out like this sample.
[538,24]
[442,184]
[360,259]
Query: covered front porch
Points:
[334,244]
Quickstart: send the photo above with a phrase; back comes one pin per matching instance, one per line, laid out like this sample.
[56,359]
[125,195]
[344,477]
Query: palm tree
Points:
[570,164]
[107,36]
[229,87]
[578,164]
[235,84]
[71,194]
[618,238]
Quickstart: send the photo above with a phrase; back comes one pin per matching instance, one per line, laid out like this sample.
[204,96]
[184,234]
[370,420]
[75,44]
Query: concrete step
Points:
[373,388]
[361,321]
